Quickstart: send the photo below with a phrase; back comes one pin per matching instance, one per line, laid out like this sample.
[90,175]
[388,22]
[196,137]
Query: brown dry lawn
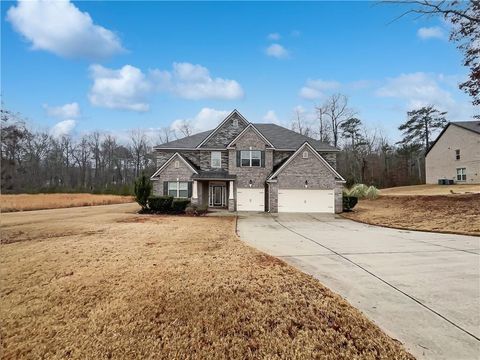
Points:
[457,214]
[26,202]
[104,282]
[429,189]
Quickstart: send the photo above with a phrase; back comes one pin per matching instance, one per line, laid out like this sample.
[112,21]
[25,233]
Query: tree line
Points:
[36,161]
[367,156]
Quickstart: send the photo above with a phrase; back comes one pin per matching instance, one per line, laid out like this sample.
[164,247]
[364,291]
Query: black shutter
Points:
[165,188]
[238,158]
[262,164]
[189,189]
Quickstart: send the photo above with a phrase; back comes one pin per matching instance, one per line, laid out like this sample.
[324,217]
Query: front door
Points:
[217,195]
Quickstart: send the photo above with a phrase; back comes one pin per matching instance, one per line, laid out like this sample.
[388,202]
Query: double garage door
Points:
[306,201]
[249,199]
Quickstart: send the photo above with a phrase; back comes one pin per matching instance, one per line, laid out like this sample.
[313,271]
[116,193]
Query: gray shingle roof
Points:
[469,125]
[280,137]
[283,138]
[188,142]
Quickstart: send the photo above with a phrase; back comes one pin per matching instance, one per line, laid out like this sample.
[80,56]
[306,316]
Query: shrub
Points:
[160,204]
[179,205]
[142,190]
[349,202]
[372,193]
[195,210]
[358,190]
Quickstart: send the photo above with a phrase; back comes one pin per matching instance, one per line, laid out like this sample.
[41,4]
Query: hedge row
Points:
[167,204]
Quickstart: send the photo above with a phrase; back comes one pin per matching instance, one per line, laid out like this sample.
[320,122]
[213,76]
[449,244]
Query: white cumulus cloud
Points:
[206,119]
[129,88]
[61,28]
[67,111]
[277,51]
[314,89]
[63,128]
[434,32]
[271,117]
[417,89]
[193,81]
[126,88]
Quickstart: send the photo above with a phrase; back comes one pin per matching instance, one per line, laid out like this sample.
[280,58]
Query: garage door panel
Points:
[305,200]
[250,199]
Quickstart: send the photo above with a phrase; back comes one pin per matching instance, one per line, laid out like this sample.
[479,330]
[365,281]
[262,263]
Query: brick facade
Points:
[293,176]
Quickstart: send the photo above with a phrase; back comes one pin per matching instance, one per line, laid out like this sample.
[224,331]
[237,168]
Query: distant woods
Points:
[367,156]
[38,162]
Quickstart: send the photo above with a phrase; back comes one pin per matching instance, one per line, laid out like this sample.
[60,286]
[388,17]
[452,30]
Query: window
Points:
[235,123]
[216,160]
[457,154]
[305,154]
[462,174]
[251,158]
[176,164]
[178,189]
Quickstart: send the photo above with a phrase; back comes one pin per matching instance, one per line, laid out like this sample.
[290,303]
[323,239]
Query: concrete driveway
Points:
[421,288]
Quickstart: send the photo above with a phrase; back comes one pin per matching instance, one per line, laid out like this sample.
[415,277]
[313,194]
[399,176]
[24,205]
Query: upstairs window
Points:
[457,154]
[176,164]
[216,160]
[462,174]
[250,158]
[235,123]
[305,154]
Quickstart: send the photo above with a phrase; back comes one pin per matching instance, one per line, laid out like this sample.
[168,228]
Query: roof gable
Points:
[169,161]
[254,129]
[466,125]
[225,131]
[306,145]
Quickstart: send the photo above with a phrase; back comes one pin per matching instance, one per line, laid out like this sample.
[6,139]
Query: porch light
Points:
[306,183]
[250,183]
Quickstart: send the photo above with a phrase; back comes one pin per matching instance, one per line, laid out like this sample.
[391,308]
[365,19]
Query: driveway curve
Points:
[421,288]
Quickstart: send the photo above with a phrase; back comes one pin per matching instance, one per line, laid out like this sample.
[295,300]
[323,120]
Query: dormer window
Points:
[305,155]
[235,123]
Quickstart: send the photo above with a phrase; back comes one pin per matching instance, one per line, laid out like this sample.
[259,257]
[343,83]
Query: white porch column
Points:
[194,190]
[230,191]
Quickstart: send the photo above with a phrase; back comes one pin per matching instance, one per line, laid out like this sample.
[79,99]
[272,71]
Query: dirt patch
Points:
[27,202]
[163,288]
[457,214]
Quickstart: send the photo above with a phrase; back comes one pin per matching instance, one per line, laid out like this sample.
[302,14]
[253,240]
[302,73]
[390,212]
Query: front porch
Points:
[214,190]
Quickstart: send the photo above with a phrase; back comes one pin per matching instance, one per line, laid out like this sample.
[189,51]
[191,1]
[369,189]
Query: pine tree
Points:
[420,124]
[143,188]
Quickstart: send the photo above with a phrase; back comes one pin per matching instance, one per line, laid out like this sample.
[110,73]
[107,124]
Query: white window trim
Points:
[177,183]
[250,158]
[305,155]
[219,153]
[462,172]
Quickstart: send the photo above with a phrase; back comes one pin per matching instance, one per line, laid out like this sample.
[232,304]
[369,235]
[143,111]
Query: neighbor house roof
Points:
[281,138]
[467,125]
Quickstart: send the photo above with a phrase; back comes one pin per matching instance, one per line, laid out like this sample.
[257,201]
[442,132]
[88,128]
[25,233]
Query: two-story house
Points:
[455,154]
[250,167]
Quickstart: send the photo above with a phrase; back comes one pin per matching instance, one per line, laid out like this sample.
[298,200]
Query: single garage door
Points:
[250,199]
[307,201]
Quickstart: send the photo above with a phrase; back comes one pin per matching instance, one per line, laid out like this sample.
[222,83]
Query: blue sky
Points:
[80,66]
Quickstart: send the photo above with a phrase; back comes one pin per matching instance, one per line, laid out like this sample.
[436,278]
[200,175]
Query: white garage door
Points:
[250,199]
[306,201]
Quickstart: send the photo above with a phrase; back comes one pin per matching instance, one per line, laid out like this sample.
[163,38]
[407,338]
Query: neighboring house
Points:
[455,155]
[250,167]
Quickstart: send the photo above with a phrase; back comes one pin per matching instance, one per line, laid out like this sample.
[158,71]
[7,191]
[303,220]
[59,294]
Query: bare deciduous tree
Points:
[337,110]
